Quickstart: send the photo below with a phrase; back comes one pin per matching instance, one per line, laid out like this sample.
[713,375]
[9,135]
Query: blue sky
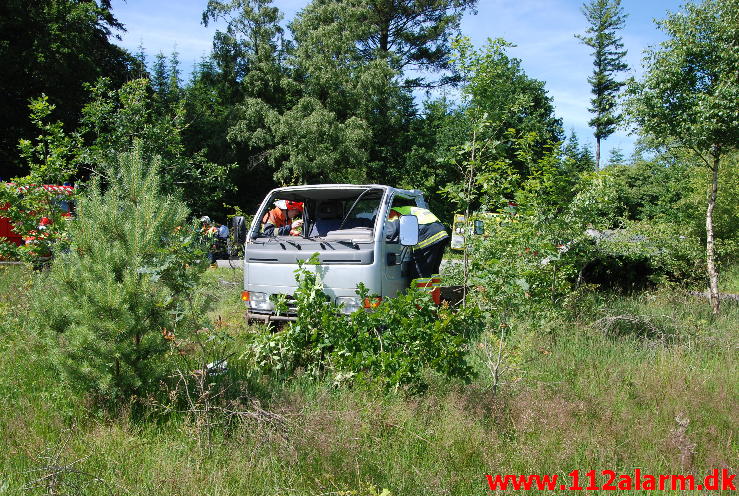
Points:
[543,31]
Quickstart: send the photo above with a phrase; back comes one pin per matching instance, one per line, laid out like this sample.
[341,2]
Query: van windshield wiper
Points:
[361,195]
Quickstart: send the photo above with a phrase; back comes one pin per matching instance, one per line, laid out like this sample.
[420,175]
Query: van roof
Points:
[336,191]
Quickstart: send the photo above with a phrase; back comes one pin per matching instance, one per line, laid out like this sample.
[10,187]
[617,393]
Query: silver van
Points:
[345,224]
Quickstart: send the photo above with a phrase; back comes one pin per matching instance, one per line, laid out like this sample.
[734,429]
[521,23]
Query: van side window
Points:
[392,228]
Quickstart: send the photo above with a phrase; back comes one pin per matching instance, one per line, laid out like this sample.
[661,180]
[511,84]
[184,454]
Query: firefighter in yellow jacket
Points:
[427,254]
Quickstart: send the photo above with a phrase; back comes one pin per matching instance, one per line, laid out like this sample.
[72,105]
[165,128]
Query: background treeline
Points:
[336,98]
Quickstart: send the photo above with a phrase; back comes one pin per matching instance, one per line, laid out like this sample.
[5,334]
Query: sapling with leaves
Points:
[52,159]
[391,345]
[689,97]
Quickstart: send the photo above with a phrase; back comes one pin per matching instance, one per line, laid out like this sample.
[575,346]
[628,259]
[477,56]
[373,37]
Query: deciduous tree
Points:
[52,48]
[114,120]
[689,96]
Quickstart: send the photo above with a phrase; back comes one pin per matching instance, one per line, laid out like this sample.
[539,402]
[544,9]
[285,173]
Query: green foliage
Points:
[26,207]
[495,85]
[338,106]
[51,159]
[535,255]
[127,280]
[597,204]
[510,128]
[52,48]
[165,81]
[670,188]
[632,225]
[689,97]
[576,158]
[250,51]
[574,378]
[115,119]
[247,63]
[309,142]
[667,250]
[689,94]
[392,345]
[523,262]
[433,138]
[413,34]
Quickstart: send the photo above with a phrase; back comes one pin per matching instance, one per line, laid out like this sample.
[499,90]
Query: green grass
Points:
[583,388]
[729,280]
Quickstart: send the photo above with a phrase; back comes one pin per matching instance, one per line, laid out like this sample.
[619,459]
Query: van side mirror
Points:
[479,227]
[238,228]
[408,230]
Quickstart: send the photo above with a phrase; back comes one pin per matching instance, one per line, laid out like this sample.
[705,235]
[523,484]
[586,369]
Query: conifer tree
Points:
[160,76]
[605,17]
[175,80]
[125,285]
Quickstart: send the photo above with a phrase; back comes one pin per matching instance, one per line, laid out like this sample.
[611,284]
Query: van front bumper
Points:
[268,317]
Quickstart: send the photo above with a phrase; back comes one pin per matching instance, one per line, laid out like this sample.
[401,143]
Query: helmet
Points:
[205,219]
[289,205]
[293,205]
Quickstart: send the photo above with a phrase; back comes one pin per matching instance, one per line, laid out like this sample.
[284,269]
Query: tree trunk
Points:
[710,257]
[467,232]
[597,154]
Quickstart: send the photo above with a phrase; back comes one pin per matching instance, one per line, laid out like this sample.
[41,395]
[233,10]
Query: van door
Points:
[396,257]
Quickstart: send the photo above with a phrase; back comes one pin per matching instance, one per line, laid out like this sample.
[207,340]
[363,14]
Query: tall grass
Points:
[729,280]
[611,382]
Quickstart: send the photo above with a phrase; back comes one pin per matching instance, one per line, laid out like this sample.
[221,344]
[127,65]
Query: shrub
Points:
[528,260]
[51,159]
[523,261]
[392,345]
[658,251]
[126,285]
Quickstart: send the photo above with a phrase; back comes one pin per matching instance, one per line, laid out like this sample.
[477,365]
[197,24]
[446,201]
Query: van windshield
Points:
[326,213]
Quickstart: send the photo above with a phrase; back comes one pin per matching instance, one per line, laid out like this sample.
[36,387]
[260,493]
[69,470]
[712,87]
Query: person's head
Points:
[205,220]
[290,209]
[394,214]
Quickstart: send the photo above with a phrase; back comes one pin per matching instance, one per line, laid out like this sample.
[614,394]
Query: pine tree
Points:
[577,158]
[160,76]
[139,69]
[605,17]
[175,81]
[616,157]
[125,285]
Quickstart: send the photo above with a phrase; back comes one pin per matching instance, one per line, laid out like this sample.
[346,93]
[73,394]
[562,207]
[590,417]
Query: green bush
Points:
[666,250]
[51,158]
[523,261]
[124,287]
[392,345]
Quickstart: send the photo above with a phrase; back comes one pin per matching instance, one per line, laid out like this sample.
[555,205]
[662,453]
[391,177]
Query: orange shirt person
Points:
[280,221]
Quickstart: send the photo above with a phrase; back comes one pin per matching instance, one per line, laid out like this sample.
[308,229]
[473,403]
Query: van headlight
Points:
[260,301]
[349,304]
